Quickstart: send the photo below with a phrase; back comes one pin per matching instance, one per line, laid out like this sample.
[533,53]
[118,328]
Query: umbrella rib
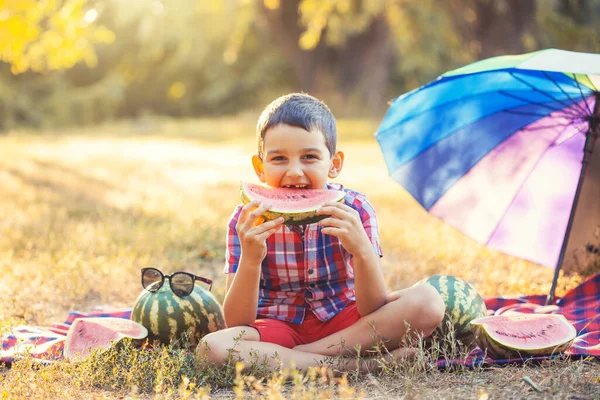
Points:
[571,121]
[537,104]
[538,90]
[577,132]
[546,127]
[584,98]
[525,113]
[576,104]
[539,115]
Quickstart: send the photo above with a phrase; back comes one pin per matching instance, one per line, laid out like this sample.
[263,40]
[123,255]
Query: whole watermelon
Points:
[169,318]
[463,304]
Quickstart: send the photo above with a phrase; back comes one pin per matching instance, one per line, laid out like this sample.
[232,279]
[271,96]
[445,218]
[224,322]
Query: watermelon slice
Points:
[88,334]
[525,335]
[297,206]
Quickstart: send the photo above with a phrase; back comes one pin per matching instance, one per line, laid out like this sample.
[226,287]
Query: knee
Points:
[215,347]
[429,308]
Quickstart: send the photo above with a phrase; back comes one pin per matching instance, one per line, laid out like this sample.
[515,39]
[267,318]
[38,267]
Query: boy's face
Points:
[296,158]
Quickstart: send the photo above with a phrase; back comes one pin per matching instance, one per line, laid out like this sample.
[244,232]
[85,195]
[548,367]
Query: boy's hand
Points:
[253,231]
[345,224]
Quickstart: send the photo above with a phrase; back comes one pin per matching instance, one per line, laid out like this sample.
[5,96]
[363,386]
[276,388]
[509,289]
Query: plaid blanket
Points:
[581,306]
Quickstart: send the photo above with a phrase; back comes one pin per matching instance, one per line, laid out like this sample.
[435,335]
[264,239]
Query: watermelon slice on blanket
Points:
[87,334]
[521,336]
[296,206]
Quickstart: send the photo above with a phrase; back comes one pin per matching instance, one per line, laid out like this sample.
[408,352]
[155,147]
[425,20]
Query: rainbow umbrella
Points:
[505,150]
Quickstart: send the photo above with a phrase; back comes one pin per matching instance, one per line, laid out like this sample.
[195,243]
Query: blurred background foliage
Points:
[75,62]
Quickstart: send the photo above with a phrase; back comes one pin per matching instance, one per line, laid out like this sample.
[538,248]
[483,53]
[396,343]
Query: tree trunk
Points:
[352,78]
[497,27]
[501,28]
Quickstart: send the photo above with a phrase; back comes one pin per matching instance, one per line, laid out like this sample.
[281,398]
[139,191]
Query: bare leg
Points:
[217,346]
[421,307]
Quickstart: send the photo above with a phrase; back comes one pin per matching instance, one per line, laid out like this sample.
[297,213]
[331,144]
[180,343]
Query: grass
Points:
[82,211]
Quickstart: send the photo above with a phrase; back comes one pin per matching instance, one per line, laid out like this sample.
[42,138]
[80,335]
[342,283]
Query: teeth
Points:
[296,186]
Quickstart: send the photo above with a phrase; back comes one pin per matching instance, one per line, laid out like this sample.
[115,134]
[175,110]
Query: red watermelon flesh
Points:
[87,334]
[525,335]
[297,206]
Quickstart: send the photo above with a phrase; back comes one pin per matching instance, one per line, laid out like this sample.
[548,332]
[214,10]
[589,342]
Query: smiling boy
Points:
[310,292]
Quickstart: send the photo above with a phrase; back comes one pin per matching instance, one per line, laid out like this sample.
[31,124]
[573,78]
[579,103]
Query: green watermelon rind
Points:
[292,218]
[459,314]
[168,317]
[497,350]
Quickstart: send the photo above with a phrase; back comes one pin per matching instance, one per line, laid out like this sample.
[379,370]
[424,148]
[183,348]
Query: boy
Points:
[310,292]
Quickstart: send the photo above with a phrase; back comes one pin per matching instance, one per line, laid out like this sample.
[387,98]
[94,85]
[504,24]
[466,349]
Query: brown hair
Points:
[301,110]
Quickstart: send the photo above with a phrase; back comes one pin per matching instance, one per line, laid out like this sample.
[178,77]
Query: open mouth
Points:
[296,186]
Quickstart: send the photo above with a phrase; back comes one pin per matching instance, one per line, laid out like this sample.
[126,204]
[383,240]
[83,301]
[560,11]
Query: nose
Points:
[294,169]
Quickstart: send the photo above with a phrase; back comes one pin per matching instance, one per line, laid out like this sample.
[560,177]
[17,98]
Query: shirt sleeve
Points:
[233,249]
[369,221]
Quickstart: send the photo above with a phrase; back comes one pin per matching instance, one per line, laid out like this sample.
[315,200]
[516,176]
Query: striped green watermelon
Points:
[169,317]
[463,304]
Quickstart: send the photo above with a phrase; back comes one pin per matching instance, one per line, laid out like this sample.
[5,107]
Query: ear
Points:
[258,168]
[337,162]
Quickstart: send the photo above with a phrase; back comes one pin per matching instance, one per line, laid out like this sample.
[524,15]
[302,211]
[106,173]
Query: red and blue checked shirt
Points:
[304,268]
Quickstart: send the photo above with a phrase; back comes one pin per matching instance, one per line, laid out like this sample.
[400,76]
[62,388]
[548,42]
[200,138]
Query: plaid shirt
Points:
[305,269]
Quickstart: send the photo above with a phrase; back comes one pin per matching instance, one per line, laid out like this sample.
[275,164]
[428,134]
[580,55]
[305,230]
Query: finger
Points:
[332,211]
[265,235]
[336,204]
[247,209]
[264,230]
[328,230]
[331,222]
[252,215]
[256,215]
[273,224]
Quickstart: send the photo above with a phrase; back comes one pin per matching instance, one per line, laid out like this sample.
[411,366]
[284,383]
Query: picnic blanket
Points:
[581,306]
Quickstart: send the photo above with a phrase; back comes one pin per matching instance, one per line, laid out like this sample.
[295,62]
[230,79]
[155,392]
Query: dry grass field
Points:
[81,211]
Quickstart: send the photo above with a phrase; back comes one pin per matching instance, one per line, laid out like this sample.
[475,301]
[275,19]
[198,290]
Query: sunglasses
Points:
[182,283]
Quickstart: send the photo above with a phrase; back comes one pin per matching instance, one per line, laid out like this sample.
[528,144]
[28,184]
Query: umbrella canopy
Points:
[505,150]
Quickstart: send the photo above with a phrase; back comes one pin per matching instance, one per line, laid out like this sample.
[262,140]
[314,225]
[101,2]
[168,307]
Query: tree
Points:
[49,34]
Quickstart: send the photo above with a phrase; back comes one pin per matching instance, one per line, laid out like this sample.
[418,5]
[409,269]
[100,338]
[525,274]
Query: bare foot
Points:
[402,353]
[374,363]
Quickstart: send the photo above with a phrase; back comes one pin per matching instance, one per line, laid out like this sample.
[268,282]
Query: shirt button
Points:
[311,271]
[312,285]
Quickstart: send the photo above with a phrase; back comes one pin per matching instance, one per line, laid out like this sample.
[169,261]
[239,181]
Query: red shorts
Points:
[289,335]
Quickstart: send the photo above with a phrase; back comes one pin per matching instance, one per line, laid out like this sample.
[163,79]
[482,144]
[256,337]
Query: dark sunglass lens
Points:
[182,284]
[151,280]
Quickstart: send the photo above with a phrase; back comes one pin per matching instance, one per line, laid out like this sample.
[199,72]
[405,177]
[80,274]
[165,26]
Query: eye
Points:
[278,158]
[311,157]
